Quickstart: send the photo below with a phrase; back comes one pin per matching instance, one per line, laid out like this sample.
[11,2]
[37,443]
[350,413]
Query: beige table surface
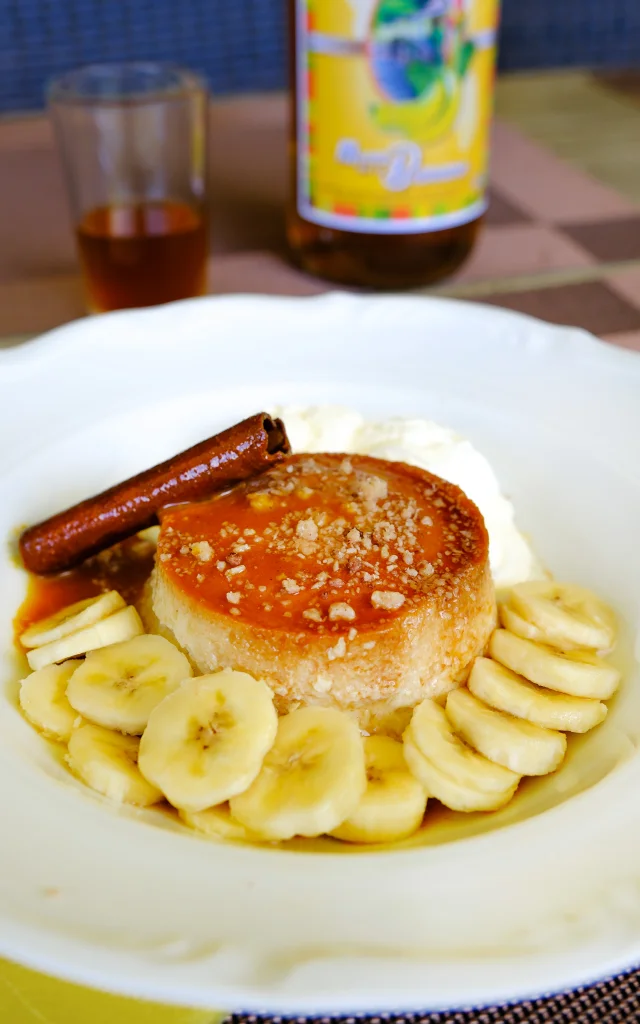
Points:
[577,135]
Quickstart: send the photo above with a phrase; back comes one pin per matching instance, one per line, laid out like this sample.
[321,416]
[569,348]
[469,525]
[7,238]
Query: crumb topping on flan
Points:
[325,544]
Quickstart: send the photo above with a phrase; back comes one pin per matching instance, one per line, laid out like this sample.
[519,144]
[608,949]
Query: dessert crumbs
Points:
[372,544]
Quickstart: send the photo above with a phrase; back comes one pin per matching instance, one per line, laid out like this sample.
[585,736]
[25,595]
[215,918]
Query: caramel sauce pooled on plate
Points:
[124,567]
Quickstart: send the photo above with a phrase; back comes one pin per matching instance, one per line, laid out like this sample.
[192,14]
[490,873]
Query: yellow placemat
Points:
[30,998]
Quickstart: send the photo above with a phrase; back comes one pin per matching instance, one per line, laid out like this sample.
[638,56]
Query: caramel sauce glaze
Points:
[309,544]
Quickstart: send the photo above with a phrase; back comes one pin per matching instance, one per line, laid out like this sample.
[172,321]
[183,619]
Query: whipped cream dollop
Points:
[432,447]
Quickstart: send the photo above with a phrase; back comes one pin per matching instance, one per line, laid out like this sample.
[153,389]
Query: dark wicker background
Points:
[240,45]
[612,1002]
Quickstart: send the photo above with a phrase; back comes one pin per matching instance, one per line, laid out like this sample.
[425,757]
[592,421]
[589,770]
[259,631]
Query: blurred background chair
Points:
[240,45]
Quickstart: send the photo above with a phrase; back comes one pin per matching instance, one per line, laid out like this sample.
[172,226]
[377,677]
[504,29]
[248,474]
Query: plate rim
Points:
[41,343]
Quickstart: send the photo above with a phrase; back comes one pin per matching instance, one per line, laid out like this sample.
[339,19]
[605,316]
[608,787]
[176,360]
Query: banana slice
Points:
[312,779]
[393,804]
[206,742]
[516,624]
[432,734]
[502,689]
[108,762]
[122,625]
[568,616]
[43,699]
[150,535]
[457,797]
[579,673]
[524,748]
[71,619]
[120,685]
[218,823]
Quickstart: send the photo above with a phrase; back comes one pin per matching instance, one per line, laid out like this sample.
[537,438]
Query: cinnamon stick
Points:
[66,539]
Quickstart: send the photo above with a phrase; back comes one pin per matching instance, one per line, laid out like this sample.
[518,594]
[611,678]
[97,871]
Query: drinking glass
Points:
[132,138]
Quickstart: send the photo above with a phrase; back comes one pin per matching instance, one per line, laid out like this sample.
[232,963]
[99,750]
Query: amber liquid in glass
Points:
[142,254]
[371,261]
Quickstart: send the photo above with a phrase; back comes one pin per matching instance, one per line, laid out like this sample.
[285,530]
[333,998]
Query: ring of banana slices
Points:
[140,728]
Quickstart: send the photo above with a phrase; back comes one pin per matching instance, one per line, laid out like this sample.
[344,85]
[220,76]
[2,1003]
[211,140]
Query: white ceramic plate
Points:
[125,900]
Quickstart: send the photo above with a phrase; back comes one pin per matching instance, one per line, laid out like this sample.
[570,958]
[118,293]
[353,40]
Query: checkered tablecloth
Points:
[576,241]
[557,243]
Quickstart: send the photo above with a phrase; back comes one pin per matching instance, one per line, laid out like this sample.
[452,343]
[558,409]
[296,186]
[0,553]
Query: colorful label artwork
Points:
[394,109]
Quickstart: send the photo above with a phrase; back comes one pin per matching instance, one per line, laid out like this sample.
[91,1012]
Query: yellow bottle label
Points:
[394,108]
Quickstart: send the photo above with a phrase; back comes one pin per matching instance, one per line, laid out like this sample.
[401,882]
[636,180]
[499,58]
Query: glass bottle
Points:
[389,136]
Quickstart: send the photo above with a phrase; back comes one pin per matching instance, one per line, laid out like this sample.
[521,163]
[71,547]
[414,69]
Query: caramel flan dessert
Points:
[306,645]
[343,581]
